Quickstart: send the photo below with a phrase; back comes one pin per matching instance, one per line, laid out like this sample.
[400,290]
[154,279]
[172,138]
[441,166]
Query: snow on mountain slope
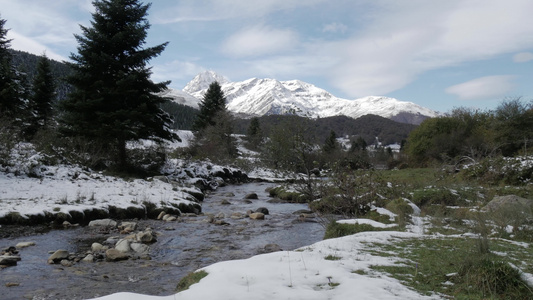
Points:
[270,96]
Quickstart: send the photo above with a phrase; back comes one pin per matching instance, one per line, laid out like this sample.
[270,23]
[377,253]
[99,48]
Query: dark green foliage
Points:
[183,116]
[254,134]
[467,135]
[213,102]
[60,71]
[114,100]
[43,96]
[330,144]
[368,127]
[14,91]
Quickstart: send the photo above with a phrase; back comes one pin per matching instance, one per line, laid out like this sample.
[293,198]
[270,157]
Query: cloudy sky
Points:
[439,54]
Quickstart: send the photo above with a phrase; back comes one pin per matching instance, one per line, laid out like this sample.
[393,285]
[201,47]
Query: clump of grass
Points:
[335,230]
[485,276]
[190,279]
[332,257]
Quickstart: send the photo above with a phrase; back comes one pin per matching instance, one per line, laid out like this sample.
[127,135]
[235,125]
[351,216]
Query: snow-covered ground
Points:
[331,269]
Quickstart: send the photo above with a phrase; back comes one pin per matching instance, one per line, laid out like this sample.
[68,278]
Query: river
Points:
[181,248]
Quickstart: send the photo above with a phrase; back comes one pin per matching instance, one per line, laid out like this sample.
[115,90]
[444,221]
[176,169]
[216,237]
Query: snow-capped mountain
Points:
[257,97]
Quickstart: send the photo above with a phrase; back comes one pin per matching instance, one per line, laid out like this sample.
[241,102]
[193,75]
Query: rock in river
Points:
[58,256]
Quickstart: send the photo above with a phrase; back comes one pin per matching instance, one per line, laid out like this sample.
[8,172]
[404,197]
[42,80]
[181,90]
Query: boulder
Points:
[145,237]
[24,245]
[263,210]
[509,202]
[123,246]
[9,260]
[95,247]
[257,216]
[88,258]
[251,196]
[58,256]
[161,215]
[115,255]
[103,222]
[129,226]
[140,249]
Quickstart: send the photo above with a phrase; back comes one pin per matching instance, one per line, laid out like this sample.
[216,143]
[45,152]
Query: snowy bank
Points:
[332,269]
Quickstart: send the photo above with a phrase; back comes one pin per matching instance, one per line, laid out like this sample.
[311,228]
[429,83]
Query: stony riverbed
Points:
[182,246]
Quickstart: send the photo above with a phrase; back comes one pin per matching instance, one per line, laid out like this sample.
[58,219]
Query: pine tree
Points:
[254,134]
[213,102]
[114,100]
[330,144]
[43,95]
[13,85]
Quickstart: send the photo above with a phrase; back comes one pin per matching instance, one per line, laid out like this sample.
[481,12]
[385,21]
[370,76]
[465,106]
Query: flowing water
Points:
[181,247]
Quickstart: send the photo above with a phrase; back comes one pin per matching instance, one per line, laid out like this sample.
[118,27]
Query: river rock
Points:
[88,258]
[95,247]
[251,196]
[115,255]
[129,226]
[103,222]
[162,178]
[58,256]
[220,215]
[9,260]
[171,219]
[161,215]
[220,222]
[9,251]
[24,245]
[123,246]
[271,248]
[230,194]
[237,216]
[66,263]
[225,202]
[263,210]
[140,249]
[145,237]
[257,216]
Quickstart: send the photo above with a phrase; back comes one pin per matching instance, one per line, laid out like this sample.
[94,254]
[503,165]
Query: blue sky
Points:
[439,54]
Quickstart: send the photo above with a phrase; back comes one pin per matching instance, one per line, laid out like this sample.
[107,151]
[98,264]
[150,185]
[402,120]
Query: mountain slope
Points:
[258,97]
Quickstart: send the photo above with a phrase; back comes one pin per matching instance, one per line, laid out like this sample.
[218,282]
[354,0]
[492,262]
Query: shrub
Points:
[335,230]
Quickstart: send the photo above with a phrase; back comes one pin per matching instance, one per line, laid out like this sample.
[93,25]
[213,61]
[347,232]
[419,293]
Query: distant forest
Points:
[368,127]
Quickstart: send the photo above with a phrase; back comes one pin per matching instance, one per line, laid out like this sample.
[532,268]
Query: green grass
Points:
[190,279]
[454,267]
[332,257]
[334,229]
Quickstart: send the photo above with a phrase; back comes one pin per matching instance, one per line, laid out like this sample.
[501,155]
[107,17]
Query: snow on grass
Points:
[66,188]
[306,273]
[367,221]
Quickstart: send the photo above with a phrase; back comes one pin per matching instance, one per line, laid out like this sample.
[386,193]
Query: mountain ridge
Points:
[266,96]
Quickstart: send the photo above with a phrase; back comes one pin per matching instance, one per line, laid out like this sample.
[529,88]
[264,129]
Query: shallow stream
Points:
[181,247]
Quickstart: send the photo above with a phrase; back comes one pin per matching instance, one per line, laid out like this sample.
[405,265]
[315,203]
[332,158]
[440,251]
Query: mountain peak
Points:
[203,80]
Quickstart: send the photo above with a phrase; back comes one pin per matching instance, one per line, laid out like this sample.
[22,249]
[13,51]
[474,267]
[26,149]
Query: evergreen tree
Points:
[43,95]
[331,144]
[13,88]
[213,102]
[254,134]
[114,100]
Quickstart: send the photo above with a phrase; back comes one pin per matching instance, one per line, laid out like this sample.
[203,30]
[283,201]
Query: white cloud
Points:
[259,40]
[29,45]
[523,57]
[335,27]
[484,88]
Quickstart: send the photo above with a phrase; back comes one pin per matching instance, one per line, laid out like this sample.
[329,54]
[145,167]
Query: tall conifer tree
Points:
[212,104]
[114,100]
[44,94]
